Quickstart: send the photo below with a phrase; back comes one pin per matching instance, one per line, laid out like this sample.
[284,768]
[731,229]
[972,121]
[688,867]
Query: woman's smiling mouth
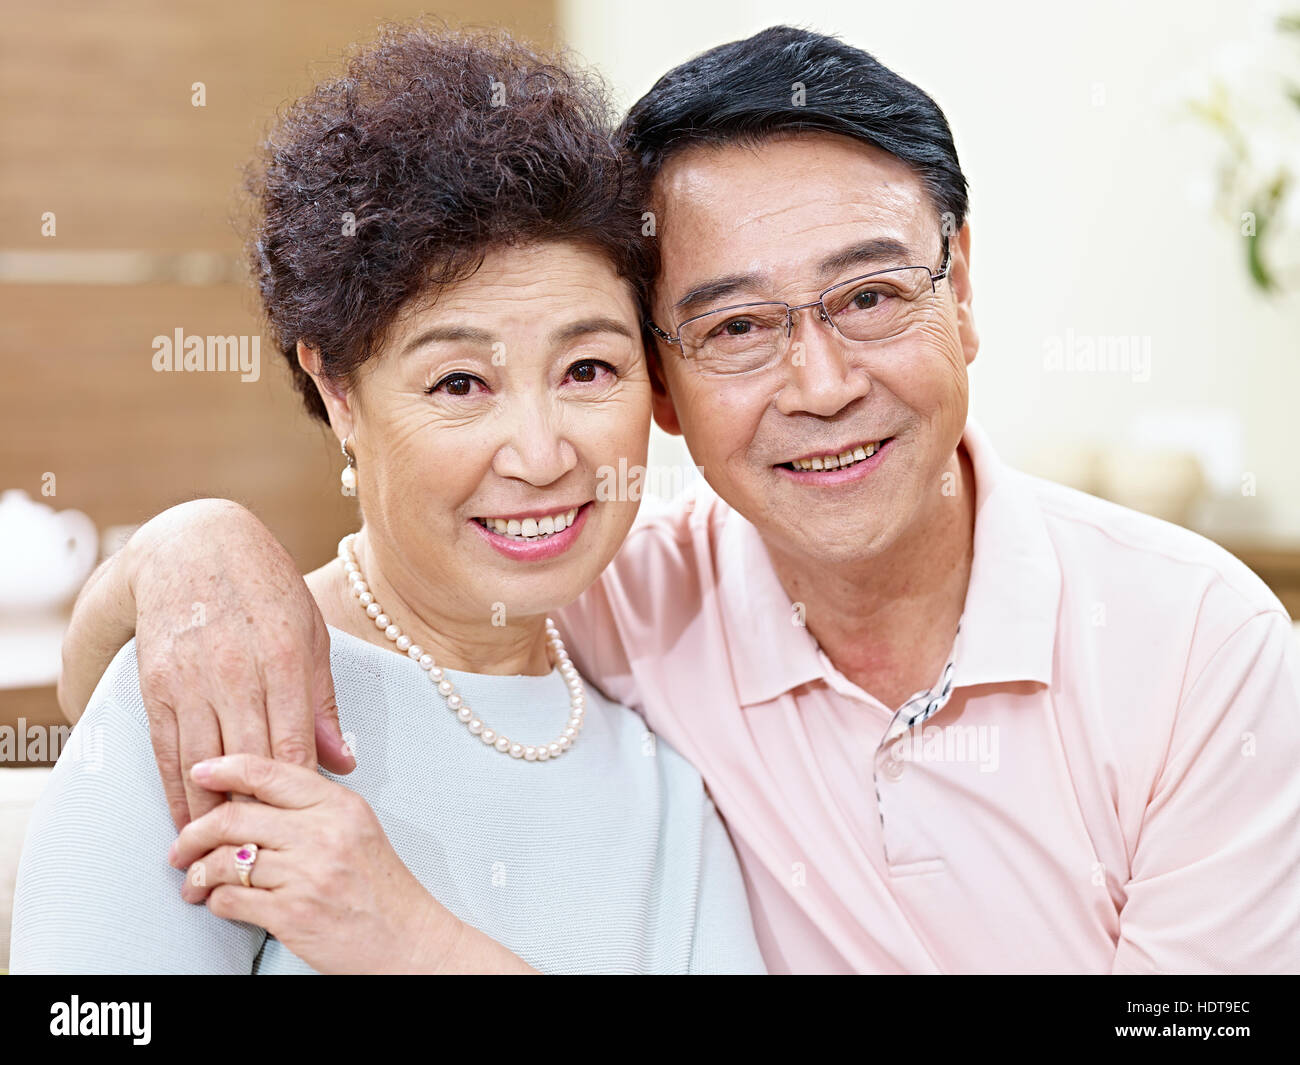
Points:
[536,536]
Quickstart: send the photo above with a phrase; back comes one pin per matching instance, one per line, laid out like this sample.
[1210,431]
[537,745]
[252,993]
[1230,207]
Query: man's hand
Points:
[233,652]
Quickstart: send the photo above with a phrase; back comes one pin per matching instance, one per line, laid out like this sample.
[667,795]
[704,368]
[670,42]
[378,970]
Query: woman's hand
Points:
[326,881]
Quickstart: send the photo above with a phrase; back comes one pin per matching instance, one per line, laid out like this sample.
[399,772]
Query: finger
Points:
[219,867]
[234,902]
[335,752]
[291,787]
[233,823]
[243,724]
[165,738]
[200,738]
[289,711]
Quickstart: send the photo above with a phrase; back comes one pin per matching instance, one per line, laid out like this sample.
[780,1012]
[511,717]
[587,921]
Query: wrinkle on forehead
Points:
[712,172]
[776,212]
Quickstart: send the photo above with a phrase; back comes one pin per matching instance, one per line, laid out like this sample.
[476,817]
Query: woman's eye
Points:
[588,370]
[455,384]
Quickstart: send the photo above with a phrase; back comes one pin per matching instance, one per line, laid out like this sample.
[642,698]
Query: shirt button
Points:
[892,767]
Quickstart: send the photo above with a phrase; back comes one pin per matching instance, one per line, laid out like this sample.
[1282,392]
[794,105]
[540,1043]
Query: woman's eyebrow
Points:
[587,326]
[443,333]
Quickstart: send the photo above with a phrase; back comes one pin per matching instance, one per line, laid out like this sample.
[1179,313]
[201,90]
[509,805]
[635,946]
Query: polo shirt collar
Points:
[770,652]
[1008,628]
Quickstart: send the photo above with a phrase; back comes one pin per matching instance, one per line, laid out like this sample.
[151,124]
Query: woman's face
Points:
[485,426]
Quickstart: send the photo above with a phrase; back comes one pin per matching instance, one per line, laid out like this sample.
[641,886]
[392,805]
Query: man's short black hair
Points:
[748,90]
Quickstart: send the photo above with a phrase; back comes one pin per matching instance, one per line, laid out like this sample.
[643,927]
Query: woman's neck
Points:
[518,647]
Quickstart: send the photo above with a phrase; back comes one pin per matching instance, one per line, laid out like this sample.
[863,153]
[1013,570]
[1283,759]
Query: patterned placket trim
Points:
[916,711]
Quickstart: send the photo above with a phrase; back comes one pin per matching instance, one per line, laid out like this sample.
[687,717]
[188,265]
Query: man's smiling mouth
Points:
[834,460]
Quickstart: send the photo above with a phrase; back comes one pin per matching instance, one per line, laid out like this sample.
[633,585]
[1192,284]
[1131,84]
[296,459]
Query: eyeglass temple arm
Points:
[947,261]
[665,337]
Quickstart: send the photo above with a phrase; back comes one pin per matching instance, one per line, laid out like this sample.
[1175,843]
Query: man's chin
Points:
[831,542]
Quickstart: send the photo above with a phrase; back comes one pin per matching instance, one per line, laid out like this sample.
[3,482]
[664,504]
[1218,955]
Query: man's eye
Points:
[455,384]
[588,370]
[736,327]
[866,299]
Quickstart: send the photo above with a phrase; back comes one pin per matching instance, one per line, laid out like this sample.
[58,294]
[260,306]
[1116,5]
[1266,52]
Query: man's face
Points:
[783,221]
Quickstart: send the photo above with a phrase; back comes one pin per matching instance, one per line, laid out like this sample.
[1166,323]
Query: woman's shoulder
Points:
[118,696]
[635,739]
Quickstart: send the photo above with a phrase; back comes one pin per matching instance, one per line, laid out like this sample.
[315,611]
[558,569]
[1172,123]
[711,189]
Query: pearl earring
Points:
[349,475]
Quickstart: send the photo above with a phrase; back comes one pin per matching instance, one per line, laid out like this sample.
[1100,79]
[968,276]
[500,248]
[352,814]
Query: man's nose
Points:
[822,377]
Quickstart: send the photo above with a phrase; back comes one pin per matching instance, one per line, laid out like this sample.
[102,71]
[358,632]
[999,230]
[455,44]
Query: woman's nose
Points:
[537,449]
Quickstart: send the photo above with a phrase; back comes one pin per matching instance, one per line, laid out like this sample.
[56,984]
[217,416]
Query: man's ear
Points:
[959,278]
[335,398]
[661,401]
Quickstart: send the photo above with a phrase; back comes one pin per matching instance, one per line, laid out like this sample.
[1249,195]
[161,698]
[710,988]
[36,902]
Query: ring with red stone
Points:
[244,859]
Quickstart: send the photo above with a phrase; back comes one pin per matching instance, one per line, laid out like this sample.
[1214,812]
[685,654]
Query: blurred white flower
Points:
[1248,94]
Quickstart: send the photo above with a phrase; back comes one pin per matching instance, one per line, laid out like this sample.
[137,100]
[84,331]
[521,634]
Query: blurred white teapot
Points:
[48,554]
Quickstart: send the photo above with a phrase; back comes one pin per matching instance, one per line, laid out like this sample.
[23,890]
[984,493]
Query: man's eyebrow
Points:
[879,250]
[587,326]
[882,250]
[716,289]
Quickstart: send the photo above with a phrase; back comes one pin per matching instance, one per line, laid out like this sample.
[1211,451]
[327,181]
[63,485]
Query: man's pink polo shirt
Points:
[1113,785]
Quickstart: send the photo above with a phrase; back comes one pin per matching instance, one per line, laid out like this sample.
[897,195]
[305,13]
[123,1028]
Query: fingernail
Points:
[203,770]
[171,853]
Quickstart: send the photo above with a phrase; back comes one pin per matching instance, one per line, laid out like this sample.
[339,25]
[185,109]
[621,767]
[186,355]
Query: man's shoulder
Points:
[1163,563]
[671,542]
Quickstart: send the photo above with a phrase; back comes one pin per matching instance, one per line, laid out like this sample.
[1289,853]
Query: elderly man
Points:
[957,719]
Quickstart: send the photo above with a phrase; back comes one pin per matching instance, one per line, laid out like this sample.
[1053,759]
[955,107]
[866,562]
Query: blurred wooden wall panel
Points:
[97,126]
[124,440]
[97,122]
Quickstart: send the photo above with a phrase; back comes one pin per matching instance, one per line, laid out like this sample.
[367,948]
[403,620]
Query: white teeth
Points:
[532,528]
[834,462]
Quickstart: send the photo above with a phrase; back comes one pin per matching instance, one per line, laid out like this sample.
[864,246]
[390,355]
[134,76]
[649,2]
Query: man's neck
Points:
[888,623]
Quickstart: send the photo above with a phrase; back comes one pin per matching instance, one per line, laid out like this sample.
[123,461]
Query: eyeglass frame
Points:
[825,315]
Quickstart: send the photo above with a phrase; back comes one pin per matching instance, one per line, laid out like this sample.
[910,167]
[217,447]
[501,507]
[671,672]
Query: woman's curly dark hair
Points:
[440,146]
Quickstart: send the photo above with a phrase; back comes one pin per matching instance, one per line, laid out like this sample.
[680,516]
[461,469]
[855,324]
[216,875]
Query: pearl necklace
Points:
[542,752]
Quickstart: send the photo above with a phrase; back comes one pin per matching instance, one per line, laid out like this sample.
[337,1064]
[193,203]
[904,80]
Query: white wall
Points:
[1088,218]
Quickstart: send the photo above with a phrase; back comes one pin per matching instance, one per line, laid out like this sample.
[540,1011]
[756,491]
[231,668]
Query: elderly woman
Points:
[448,254]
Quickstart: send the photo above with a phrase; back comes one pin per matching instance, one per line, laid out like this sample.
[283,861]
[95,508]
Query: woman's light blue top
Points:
[610,859]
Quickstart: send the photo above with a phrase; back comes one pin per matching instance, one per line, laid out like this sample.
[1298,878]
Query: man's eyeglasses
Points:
[754,336]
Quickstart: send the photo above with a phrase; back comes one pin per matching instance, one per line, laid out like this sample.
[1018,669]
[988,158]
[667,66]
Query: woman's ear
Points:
[661,401]
[337,403]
